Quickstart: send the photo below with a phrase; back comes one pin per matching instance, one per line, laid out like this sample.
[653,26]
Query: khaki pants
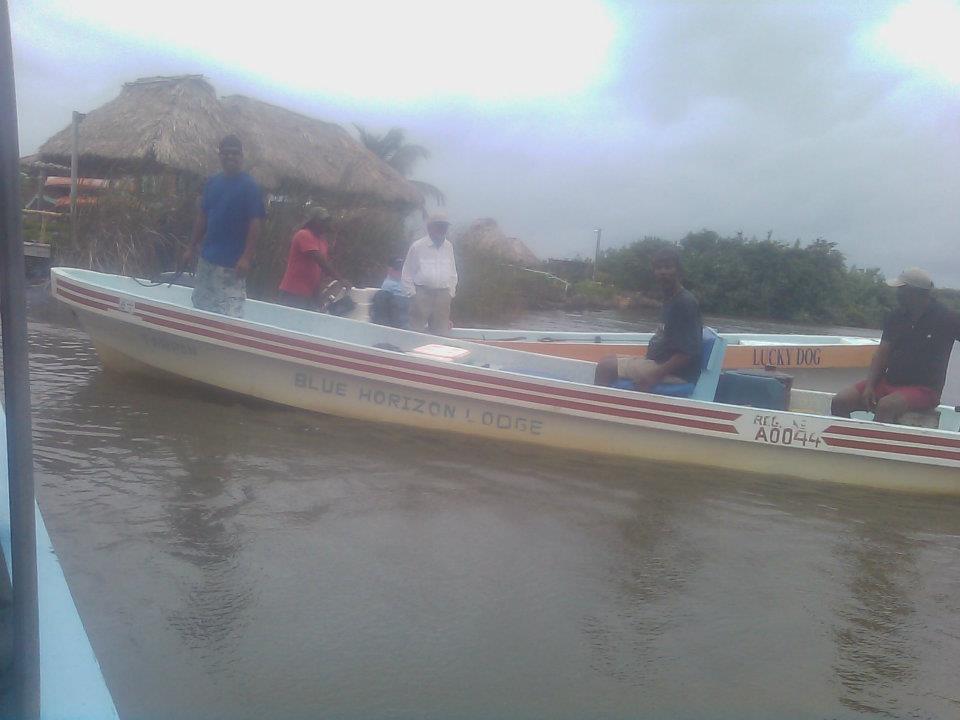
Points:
[430,310]
[638,369]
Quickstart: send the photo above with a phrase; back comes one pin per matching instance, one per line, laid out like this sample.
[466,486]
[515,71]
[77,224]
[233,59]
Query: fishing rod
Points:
[180,269]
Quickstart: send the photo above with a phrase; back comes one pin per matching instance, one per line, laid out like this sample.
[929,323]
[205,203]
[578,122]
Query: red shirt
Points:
[304,276]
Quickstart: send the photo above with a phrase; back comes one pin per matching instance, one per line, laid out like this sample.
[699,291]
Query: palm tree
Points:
[401,156]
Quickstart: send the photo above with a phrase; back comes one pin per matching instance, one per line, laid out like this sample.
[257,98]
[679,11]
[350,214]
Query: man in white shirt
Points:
[430,275]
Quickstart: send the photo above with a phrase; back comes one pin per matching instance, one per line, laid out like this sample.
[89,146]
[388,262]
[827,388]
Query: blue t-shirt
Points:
[680,332]
[230,203]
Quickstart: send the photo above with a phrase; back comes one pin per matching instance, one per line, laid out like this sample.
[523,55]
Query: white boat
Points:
[744,350]
[351,368]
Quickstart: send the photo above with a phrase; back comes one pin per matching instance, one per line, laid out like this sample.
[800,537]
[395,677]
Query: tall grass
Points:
[145,233]
[366,237]
[492,291]
[129,234]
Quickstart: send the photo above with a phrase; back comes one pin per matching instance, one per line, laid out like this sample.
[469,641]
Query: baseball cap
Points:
[316,213]
[231,142]
[914,277]
[437,218]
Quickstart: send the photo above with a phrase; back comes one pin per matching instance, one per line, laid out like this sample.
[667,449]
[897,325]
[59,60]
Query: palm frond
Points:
[392,148]
[405,157]
[430,191]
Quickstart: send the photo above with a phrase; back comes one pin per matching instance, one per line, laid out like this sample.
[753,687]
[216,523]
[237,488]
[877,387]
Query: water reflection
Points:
[872,635]
[880,585]
[652,557]
[881,640]
[186,480]
[202,514]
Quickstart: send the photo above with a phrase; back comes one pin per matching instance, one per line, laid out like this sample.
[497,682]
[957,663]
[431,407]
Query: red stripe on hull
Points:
[87,291]
[505,382]
[442,383]
[898,449]
[83,301]
[890,435]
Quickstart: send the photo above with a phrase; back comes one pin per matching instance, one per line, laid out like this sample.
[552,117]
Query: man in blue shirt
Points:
[226,230]
[391,303]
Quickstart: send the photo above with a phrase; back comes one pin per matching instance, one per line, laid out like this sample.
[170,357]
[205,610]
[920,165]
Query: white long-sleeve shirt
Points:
[430,266]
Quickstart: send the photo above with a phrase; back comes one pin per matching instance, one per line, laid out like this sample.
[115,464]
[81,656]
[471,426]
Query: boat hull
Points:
[384,391]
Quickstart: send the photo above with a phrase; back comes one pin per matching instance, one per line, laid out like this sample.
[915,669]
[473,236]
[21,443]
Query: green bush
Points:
[128,233]
[488,289]
[144,233]
[589,295]
[760,278]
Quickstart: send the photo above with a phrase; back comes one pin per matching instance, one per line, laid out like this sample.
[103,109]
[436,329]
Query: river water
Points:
[233,559]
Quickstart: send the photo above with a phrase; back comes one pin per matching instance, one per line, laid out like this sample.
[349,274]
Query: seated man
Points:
[910,366]
[673,355]
[391,303]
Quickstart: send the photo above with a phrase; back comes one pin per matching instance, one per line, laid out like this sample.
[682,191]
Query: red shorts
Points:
[918,397]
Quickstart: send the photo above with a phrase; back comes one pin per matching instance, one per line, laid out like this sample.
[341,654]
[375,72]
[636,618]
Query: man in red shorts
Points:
[910,366]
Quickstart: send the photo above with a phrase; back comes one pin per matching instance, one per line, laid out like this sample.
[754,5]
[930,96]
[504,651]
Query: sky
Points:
[806,119]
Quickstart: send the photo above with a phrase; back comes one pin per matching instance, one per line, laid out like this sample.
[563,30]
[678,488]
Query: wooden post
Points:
[74,161]
[16,391]
[596,254]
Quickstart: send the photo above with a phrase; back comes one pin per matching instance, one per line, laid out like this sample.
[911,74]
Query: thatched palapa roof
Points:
[486,235]
[176,123]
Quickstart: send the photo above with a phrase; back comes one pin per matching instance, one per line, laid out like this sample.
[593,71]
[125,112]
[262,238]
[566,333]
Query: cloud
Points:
[749,116]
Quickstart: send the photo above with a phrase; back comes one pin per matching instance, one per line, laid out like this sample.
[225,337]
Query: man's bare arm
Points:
[878,366]
[196,237]
[324,263]
[253,232]
[671,366]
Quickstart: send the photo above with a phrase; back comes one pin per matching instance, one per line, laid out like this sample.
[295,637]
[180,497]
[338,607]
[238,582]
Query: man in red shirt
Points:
[308,264]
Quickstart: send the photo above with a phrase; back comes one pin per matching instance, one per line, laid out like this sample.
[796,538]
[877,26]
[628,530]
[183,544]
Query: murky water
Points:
[233,559]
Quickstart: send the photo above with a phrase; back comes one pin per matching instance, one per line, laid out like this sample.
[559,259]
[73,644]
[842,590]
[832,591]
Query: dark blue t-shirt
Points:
[680,331]
[920,349]
[230,203]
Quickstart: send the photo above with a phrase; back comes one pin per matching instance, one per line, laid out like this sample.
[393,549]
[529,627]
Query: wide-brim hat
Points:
[913,277]
[438,218]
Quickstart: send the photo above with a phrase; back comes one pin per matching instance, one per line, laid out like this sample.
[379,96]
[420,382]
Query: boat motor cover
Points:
[753,390]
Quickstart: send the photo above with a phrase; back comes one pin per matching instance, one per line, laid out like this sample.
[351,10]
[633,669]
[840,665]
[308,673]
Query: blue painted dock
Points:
[71,683]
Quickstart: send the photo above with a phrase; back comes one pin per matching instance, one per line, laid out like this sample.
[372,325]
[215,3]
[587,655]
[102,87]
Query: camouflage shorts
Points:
[219,289]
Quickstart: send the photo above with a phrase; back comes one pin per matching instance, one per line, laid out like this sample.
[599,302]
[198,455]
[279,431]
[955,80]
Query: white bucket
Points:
[362,298]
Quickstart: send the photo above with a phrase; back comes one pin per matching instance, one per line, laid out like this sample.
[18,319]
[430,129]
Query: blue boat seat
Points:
[711,363]
[753,389]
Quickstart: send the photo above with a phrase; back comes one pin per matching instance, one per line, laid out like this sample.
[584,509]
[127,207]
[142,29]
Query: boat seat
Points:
[921,418]
[711,362]
[755,388]
[911,418]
